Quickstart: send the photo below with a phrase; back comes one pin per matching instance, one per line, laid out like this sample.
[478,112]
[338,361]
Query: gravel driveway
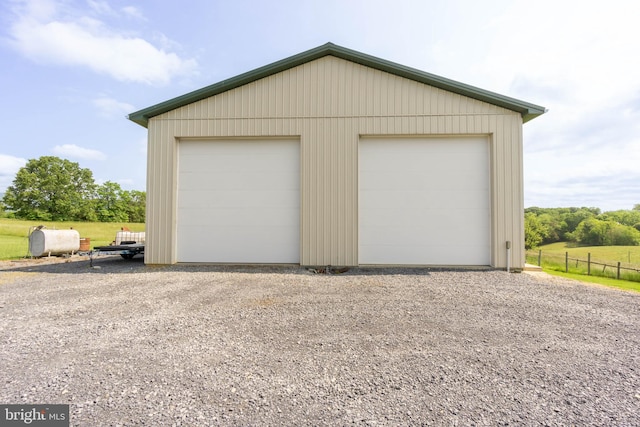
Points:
[126,344]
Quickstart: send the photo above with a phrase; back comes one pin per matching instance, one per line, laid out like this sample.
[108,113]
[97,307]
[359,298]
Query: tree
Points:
[51,189]
[136,205]
[111,203]
[623,217]
[600,232]
[575,216]
[533,231]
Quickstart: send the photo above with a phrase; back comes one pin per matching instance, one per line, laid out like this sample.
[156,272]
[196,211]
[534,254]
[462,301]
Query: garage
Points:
[333,157]
[238,201]
[425,201]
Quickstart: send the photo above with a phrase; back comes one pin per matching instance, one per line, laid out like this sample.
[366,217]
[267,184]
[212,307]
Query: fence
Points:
[589,266]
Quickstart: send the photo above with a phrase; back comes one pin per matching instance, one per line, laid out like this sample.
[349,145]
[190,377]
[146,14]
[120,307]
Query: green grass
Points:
[553,262]
[14,241]
[624,254]
[620,284]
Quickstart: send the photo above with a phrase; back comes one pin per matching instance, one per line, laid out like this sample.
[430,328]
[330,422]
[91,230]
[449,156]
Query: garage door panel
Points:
[432,233]
[424,201]
[238,201]
[242,199]
[465,180]
[269,217]
[249,247]
[427,255]
[237,181]
[403,200]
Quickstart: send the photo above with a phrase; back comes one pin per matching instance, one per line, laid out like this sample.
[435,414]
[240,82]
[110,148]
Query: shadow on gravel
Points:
[104,265]
[114,264]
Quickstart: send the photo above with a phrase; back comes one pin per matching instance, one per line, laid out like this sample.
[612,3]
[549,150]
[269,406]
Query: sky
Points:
[72,70]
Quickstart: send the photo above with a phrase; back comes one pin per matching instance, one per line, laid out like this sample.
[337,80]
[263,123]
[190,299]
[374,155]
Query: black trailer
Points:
[126,250]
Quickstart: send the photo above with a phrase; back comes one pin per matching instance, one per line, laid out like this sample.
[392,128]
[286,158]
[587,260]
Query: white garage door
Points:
[424,201]
[239,201]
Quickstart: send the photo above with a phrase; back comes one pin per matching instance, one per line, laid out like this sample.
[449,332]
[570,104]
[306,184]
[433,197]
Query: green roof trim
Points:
[527,110]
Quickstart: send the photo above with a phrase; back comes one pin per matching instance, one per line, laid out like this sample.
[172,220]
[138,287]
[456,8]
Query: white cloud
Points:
[9,167]
[111,108]
[101,7]
[577,62]
[75,152]
[133,12]
[43,35]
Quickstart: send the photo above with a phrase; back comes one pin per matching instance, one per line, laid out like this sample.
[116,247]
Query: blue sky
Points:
[73,69]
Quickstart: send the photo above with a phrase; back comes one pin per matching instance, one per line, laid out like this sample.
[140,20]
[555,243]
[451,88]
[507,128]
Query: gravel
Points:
[129,344]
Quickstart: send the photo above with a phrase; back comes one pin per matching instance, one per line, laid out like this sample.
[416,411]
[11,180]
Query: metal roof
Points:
[527,110]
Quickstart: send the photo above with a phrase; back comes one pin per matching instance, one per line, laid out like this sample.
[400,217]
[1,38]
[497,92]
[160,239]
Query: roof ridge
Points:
[527,110]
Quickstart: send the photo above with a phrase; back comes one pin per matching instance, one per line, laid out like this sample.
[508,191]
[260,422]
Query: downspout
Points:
[508,256]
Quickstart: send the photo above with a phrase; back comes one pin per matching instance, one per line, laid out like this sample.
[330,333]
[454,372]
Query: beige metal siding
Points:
[329,104]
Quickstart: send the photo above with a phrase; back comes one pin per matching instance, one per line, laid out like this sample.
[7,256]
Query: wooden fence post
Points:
[618,273]
[589,264]
[566,262]
[540,258]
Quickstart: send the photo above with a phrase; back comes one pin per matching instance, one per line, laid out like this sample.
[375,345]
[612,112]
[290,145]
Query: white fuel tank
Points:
[44,242]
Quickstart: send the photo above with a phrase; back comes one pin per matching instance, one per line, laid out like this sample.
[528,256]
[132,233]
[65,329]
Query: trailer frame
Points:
[125,250]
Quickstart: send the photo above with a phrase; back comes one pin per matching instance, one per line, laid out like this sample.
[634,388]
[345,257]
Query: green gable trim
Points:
[527,110]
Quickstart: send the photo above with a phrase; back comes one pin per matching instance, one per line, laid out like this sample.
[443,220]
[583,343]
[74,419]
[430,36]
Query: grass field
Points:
[14,240]
[553,261]
[624,254]
[614,283]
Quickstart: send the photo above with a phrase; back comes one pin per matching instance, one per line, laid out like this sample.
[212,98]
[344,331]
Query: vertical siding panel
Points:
[478,123]
[420,129]
[321,188]
[310,175]
[282,94]
[448,124]
[337,87]
[151,210]
[435,97]
[315,99]
[499,199]
[518,158]
[271,100]
[510,180]
[164,193]
[279,110]
[395,95]
[325,171]
[349,90]
[462,124]
[252,100]
[485,124]
[463,105]
[407,106]
[310,98]
[353,199]
[447,103]
[334,220]
[298,93]
[363,95]
[305,208]
[378,86]
[159,193]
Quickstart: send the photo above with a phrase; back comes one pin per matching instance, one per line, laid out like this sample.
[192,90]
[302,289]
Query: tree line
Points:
[53,189]
[583,226]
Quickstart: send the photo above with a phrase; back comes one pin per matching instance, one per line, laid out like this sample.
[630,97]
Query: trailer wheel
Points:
[127,256]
